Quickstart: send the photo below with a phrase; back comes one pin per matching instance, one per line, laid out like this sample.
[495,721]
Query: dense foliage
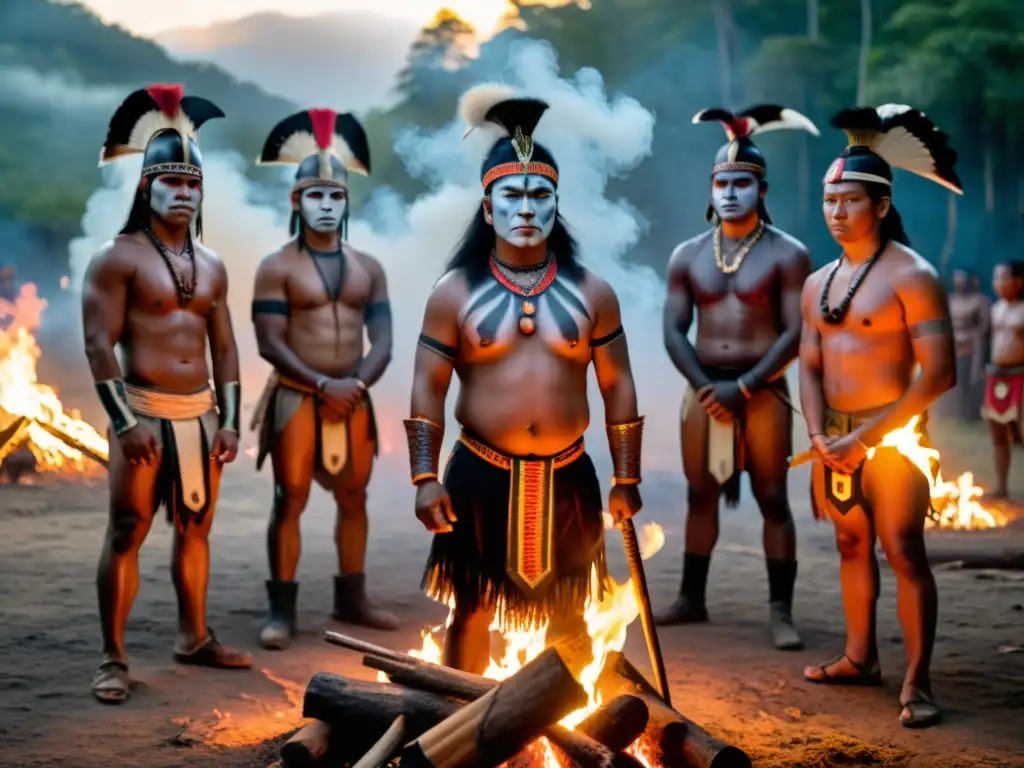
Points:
[961,61]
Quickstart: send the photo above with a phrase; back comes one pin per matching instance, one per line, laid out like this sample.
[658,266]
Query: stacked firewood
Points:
[438,717]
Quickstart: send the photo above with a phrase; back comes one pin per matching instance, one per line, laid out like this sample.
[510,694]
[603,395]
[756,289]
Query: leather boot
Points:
[279,630]
[689,607]
[352,606]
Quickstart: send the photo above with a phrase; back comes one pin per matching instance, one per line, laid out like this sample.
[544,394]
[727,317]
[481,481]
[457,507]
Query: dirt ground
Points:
[724,675]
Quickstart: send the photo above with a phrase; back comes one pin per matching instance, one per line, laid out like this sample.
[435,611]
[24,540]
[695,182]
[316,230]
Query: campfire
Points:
[955,505]
[32,417]
[534,707]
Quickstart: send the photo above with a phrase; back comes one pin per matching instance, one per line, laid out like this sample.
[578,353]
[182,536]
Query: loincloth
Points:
[1004,394]
[529,532]
[184,426]
[844,492]
[277,405]
[725,449]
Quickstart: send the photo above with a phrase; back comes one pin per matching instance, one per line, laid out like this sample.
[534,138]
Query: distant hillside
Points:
[62,72]
[348,60]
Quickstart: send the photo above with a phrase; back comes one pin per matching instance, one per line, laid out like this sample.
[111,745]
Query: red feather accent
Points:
[835,173]
[167,98]
[740,127]
[323,121]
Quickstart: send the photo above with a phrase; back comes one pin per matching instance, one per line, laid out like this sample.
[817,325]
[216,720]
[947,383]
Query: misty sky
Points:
[149,18]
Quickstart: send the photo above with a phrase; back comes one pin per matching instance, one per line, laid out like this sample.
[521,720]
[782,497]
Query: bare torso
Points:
[867,361]
[738,315]
[326,335]
[967,311]
[524,394]
[163,343]
[1008,333]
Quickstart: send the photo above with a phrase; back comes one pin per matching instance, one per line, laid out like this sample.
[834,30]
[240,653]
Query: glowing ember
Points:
[955,504]
[21,394]
[269,721]
[607,620]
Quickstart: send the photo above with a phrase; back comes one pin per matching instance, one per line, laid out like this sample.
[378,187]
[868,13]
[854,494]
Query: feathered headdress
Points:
[517,117]
[740,153]
[162,123]
[324,144]
[892,136]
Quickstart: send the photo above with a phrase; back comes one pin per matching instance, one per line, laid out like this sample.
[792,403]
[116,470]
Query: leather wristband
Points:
[229,402]
[425,439]
[624,443]
[114,400]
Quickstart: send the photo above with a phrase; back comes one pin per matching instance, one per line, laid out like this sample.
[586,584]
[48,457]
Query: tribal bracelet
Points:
[229,401]
[425,438]
[114,400]
[624,442]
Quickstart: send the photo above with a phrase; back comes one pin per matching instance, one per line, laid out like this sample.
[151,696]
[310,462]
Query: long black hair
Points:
[140,215]
[892,225]
[472,255]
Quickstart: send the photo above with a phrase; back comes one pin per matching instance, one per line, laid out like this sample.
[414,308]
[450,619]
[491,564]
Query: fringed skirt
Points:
[529,534]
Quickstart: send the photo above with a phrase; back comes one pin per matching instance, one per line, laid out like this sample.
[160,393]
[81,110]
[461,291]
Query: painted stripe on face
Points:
[524,209]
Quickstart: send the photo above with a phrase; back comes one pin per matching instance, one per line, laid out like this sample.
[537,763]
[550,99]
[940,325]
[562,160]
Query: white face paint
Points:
[523,209]
[323,208]
[735,194]
[175,197]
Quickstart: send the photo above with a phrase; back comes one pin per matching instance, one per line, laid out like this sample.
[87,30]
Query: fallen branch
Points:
[386,746]
[307,746]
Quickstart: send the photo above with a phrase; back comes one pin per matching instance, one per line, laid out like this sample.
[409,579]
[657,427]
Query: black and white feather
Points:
[757,119]
[905,138]
[501,106]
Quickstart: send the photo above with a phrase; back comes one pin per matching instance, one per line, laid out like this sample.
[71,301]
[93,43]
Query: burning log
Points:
[71,442]
[611,724]
[362,710]
[676,741]
[385,747]
[307,746]
[497,725]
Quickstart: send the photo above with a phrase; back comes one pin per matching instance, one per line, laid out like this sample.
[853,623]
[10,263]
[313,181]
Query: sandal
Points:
[211,653]
[919,711]
[111,684]
[865,674]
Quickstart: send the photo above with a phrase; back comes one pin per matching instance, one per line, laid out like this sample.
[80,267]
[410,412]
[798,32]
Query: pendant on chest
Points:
[527,308]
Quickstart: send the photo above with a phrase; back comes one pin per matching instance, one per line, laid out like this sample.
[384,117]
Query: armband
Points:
[437,347]
[229,400]
[378,309]
[424,448]
[114,400]
[270,307]
[624,442]
[604,341]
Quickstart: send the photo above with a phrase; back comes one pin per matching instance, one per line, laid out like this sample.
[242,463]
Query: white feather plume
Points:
[154,121]
[302,144]
[478,100]
[901,148]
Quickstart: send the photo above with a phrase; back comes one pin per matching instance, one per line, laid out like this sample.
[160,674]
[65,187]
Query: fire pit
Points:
[33,421]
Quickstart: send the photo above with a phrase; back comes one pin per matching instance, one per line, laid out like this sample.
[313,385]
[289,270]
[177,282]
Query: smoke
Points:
[27,88]
[593,135]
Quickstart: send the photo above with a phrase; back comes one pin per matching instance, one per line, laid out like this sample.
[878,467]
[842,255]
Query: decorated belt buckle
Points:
[1001,390]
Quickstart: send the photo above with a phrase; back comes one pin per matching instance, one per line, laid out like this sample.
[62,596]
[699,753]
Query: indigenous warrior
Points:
[1004,385]
[519,532]
[159,295]
[970,310]
[876,351]
[313,299]
[736,412]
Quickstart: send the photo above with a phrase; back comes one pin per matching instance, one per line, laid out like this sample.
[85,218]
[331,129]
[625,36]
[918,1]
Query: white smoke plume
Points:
[24,87]
[593,136]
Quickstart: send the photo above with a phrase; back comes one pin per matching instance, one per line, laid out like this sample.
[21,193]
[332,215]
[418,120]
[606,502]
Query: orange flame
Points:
[607,621]
[955,504]
[21,394]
